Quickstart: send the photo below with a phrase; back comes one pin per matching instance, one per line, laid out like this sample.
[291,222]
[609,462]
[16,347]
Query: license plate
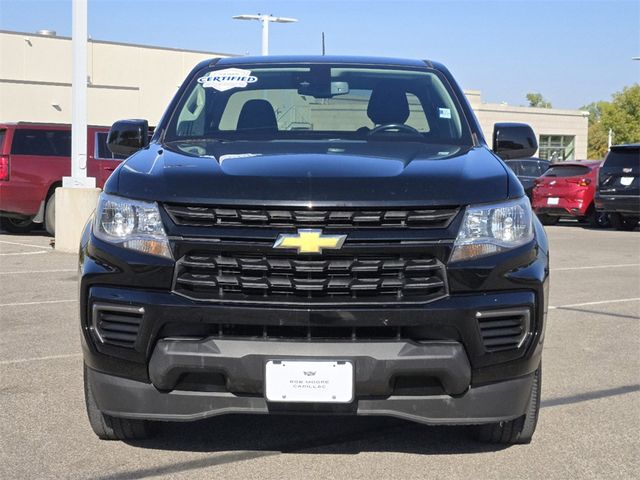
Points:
[305,381]
[553,201]
[626,181]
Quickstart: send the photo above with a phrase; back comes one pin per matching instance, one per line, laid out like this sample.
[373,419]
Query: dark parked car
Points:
[527,170]
[618,192]
[567,190]
[375,259]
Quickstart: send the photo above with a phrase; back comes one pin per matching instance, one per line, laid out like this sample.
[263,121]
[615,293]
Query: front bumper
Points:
[563,209]
[496,402]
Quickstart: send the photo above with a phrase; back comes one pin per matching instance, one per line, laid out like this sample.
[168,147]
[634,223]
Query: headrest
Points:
[257,115]
[388,104]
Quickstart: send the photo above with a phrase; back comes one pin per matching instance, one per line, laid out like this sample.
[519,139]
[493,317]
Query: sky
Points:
[573,52]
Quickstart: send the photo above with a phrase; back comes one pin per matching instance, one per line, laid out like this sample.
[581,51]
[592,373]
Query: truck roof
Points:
[626,146]
[332,59]
[45,124]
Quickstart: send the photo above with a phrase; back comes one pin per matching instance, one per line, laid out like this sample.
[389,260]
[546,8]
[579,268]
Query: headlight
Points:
[132,224]
[488,229]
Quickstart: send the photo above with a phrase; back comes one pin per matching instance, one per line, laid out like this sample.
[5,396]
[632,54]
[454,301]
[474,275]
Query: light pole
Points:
[265,20]
[75,201]
[78,176]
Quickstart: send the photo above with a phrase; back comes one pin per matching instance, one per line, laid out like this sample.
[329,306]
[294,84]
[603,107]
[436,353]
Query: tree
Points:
[598,136]
[621,115]
[537,100]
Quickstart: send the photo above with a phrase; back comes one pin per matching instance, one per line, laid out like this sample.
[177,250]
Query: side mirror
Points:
[514,140]
[128,136]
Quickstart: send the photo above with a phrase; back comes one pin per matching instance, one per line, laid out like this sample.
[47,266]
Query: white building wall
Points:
[544,121]
[125,81]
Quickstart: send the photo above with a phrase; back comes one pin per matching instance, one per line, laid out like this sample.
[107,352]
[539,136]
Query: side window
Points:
[417,118]
[543,167]
[514,166]
[530,169]
[54,143]
[191,121]
[61,140]
[2,135]
[101,149]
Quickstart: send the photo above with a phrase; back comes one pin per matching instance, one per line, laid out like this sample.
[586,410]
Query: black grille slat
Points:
[503,329]
[296,332]
[119,337]
[118,318]
[501,332]
[209,216]
[279,278]
[117,325]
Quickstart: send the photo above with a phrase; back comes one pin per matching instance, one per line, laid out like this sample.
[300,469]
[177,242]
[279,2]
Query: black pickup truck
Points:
[316,235]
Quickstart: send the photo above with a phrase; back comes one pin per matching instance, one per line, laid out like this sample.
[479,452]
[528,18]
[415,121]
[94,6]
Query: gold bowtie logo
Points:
[309,241]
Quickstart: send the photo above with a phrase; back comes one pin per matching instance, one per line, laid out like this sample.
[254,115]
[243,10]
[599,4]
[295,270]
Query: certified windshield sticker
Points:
[444,113]
[227,79]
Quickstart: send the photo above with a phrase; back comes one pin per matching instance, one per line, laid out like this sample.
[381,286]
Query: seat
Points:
[388,105]
[257,116]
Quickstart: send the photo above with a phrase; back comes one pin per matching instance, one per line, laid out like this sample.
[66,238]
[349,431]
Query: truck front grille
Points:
[206,216]
[325,279]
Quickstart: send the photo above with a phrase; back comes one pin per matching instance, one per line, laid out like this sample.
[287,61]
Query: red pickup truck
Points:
[33,159]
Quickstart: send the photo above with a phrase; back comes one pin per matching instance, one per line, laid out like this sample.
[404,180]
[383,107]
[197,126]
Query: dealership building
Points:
[138,81]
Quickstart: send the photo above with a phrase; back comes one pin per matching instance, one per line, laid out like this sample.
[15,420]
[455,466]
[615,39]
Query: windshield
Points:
[566,171]
[618,159]
[319,101]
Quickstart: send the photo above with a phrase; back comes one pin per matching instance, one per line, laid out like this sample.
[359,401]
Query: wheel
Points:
[519,430]
[16,225]
[623,223]
[50,215]
[548,219]
[597,219]
[107,427]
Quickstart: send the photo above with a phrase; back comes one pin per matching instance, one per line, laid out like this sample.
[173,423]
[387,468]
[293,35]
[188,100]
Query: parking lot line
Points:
[590,267]
[23,253]
[42,302]
[25,244]
[601,302]
[38,359]
[39,271]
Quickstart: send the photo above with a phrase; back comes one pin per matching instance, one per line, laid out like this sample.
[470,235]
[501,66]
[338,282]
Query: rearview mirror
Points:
[128,136]
[514,140]
[323,90]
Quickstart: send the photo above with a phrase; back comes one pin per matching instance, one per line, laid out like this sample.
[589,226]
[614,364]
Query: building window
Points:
[557,148]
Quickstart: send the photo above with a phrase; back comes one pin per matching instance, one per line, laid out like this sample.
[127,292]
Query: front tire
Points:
[521,429]
[50,215]
[107,427]
[16,225]
[597,219]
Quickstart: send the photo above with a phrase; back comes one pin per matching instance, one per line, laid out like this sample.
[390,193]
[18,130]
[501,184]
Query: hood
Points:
[294,172]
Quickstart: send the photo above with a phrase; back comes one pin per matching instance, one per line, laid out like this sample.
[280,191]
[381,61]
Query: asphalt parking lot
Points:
[588,427]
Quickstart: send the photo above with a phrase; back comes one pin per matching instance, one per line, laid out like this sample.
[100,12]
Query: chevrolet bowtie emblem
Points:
[309,241]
